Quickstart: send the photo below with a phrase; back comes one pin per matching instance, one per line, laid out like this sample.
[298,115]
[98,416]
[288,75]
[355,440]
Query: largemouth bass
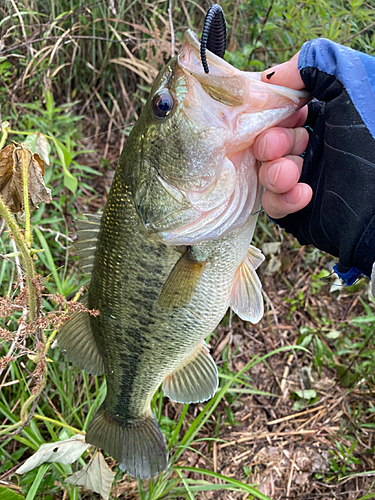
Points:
[173,249]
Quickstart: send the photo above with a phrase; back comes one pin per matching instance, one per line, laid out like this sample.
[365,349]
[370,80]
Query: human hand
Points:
[279,149]
[339,159]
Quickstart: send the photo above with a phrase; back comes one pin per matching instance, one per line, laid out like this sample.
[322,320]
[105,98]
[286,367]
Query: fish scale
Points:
[173,249]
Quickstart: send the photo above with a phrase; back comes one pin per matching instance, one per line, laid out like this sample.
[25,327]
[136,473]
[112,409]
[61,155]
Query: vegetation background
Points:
[74,76]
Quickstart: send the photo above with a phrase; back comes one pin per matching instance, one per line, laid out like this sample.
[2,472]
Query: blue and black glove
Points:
[339,160]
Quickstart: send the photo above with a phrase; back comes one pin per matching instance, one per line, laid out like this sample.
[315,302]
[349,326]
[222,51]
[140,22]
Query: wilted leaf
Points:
[273,265]
[64,452]
[39,144]
[333,334]
[306,394]
[96,476]
[7,494]
[11,184]
[273,247]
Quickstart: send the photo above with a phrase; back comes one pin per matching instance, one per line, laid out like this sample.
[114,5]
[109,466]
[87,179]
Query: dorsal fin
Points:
[85,247]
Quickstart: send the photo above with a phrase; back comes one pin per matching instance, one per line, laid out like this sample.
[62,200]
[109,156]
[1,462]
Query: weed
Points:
[343,460]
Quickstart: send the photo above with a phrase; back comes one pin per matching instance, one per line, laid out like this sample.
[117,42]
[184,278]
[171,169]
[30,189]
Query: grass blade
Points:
[229,480]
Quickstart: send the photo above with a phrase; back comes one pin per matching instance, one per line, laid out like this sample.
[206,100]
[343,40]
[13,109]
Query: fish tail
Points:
[138,445]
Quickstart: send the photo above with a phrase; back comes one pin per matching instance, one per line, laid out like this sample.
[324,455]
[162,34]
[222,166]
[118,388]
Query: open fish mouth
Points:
[229,108]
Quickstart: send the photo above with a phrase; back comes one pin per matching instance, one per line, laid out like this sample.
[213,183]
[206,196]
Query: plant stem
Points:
[61,424]
[25,256]
[5,127]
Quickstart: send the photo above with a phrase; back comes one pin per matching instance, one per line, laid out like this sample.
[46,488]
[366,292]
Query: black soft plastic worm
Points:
[214,35]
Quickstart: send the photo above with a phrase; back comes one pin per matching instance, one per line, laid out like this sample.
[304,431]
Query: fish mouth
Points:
[227,84]
[220,191]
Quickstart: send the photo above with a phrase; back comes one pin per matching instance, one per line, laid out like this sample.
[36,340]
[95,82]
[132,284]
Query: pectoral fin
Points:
[246,296]
[182,282]
[195,380]
[77,342]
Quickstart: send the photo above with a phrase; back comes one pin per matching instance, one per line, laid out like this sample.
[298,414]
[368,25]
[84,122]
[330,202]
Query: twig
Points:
[23,424]
[28,48]
[295,415]
[269,301]
[57,235]
[265,19]
[359,33]
[171,27]
[233,25]
[256,436]
[22,322]
[291,475]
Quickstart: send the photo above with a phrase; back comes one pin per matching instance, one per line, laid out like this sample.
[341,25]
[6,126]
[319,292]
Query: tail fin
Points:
[138,446]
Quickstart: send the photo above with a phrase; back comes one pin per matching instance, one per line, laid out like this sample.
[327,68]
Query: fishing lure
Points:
[214,35]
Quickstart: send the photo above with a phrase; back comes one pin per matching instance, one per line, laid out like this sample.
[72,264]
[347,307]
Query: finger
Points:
[297,119]
[280,205]
[281,175]
[286,74]
[278,141]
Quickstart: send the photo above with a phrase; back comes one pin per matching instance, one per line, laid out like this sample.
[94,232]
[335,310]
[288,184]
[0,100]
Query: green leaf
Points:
[49,102]
[38,479]
[50,262]
[7,494]
[66,158]
[39,144]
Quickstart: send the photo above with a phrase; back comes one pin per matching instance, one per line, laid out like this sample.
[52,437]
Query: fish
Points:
[172,250]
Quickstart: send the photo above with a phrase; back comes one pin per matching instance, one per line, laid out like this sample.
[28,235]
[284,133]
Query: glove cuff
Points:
[364,252]
[322,61]
[350,277]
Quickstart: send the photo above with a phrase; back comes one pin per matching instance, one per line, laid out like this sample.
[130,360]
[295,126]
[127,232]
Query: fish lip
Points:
[190,41]
[190,62]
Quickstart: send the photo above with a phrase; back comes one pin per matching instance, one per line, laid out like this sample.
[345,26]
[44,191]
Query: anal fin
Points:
[77,342]
[246,295]
[195,380]
[182,282]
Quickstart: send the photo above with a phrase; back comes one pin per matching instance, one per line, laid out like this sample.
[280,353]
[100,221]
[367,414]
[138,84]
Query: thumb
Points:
[286,74]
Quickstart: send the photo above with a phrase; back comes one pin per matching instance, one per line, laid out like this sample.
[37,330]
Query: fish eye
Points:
[162,105]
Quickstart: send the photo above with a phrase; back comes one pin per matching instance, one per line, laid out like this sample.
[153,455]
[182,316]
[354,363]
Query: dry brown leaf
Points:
[96,476]
[12,158]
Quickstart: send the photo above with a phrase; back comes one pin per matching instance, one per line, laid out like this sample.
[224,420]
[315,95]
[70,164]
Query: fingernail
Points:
[273,173]
[262,147]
